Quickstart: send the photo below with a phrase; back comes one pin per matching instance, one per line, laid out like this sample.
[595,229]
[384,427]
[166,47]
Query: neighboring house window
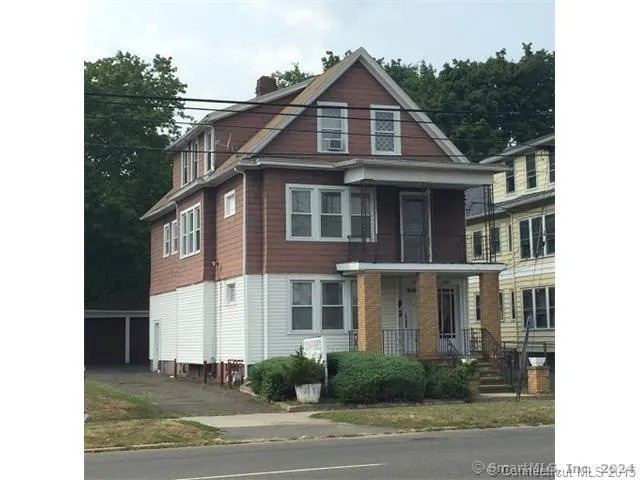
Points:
[231,293]
[531,170]
[301,305]
[175,240]
[166,240]
[495,240]
[513,304]
[385,131]
[354,304]
[510,237]
[184,169]
[552,165]
[190,231]
[477,244]
[538,305]
[229,203]
[510,177]
[332,306]
[332,127]
[328,213]
[194,160]
[209,145]
[477,308]
[537,236]
[501,306]
[331,214]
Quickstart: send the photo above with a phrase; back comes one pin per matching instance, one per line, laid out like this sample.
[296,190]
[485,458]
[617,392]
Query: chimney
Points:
[265,85]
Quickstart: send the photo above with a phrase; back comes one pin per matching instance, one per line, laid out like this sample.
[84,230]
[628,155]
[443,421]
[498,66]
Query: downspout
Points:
[175,359]
[244,267]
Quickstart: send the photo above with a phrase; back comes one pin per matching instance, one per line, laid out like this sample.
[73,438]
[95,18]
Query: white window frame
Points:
[535,170]
[533,304]
[228,198]
[166,240]
[184,169]
[175,237]
[231,287]
[396,129]
[510,174]
[543,226]
[316,205]
[184,234]
[291,306]
[342,305]
[344,124]
[473,245]
[209,147]
[193,160]
[316,303]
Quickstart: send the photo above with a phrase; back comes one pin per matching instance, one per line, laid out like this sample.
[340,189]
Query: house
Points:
[332,207]
[519,232]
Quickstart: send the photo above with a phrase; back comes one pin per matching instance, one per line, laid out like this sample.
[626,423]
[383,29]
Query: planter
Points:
[309,392]
[536,361]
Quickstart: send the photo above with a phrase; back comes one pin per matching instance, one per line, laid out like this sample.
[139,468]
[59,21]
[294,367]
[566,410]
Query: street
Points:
[437,455]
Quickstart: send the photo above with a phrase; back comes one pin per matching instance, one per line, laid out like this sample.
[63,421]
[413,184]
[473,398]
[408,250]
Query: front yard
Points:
[119,419]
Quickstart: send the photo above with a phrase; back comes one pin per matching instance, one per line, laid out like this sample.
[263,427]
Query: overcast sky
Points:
[222,47]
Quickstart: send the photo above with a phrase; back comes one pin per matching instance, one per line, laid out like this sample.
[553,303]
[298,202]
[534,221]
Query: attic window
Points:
[385,130]
[332,127]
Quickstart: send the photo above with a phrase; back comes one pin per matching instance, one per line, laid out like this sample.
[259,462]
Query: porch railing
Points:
[407,248]
[400,341]
[448,350]
[353,340]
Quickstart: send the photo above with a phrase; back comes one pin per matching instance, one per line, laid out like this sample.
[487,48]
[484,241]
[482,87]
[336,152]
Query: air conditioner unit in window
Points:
[332,144]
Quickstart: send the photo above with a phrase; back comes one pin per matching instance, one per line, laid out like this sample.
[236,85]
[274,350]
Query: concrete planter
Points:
[309,392]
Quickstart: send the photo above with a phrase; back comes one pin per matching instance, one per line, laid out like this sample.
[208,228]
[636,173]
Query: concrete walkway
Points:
[279,426]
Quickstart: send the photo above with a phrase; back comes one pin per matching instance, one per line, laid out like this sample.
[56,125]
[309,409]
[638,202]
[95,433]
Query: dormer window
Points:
[209,143]
[194,160]
[184,169]
[385,130]
[332,127]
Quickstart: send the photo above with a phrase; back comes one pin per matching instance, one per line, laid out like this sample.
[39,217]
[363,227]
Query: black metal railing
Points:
[448,350]
[353,340]
[400,341]
[407,248]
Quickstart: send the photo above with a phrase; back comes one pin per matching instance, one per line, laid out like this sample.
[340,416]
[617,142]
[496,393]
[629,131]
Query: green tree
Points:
[122,183]
[290,77]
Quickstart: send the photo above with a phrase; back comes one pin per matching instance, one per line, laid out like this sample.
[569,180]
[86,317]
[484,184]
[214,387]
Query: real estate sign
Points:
[315,348]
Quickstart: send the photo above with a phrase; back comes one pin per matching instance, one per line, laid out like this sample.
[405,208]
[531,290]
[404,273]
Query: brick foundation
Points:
[538,380]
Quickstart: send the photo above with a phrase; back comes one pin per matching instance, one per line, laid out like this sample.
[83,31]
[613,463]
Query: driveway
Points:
[185,397]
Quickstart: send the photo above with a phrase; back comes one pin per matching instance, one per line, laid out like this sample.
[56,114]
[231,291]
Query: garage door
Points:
[104,341]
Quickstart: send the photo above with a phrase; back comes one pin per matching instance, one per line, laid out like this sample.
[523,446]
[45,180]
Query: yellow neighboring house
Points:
[520,234]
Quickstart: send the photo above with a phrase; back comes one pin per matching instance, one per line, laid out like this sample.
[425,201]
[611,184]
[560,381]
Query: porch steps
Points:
[490,380]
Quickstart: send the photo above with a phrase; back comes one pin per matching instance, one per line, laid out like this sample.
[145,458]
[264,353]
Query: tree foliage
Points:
[290,77]
[481,106]
[121,184]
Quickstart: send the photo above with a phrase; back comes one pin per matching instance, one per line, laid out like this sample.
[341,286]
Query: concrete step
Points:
[491,379]
[495,388]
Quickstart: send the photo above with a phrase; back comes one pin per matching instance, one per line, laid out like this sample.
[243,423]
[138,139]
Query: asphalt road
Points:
[435,455]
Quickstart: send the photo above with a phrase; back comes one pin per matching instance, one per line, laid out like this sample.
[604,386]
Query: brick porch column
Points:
[490,305]
[427,300]
[369,286]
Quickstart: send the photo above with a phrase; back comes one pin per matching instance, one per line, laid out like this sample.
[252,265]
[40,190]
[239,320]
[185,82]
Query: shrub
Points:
[269,379]
[366,377]
[302,370]
[449,383]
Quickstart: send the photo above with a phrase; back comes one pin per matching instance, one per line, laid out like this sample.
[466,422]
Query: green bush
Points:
[366,377]
[269,379]
[448,383]
[302,370]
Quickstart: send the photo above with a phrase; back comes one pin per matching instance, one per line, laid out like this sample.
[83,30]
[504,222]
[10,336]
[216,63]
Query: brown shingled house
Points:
[331,207]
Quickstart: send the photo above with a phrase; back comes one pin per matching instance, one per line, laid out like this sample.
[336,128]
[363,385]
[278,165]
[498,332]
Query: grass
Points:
[119,419]
[451,416]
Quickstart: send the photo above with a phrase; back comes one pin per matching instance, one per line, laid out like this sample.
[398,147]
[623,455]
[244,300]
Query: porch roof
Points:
[464,269]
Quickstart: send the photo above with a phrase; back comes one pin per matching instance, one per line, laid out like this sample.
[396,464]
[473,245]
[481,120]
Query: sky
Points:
[221,47]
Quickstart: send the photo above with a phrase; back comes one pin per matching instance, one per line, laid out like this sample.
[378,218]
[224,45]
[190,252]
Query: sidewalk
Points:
[283,426]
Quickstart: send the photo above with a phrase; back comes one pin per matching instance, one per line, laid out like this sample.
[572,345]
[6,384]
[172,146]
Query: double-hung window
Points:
[537,236]
[230,203]
[332,127]
[510,177]
[495,240]
[354,304]
[194,160]
[360,206]
[175,240]
[531,170]
[184,169]
[319,305]
[166,240]
[331,214]
[385,130]
[539,307]
[477,244]
[209,145]
[552,165]
[332,306]
[302,305]
[190,231]
[301,215]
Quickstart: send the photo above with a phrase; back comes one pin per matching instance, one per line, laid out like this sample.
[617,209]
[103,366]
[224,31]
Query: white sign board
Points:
[315,348]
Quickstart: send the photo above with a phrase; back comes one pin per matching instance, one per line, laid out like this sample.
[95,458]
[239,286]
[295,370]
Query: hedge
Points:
[269,379]
[367,377]
[448,383]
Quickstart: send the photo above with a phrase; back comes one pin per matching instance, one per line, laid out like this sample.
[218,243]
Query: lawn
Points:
[451,416]
[119,419]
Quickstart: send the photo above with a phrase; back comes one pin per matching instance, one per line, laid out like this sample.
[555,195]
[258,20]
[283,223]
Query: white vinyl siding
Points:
[385,130]
[230,322]
[163,310]
[190,231]
[332,128]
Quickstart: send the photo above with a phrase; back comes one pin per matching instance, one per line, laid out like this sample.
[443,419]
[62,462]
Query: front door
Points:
[414,228]
[449,334]
[408,320]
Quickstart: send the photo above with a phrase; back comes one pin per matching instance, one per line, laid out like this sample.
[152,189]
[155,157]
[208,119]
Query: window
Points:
[539,307]
[229,203]
[184,169]
[231,293]
[174,237]
[209,145]
[301,306]
[495,240]
[510,177]
[332,306]
[513,304]
[190,231]
[537,236]
[354,304]
[552,165]
[385,131]
[194,160]
[166,240]
[331,214]
[477,244]
[510,237]
[531,170]
[332,127]
[501,307]
[477,308]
